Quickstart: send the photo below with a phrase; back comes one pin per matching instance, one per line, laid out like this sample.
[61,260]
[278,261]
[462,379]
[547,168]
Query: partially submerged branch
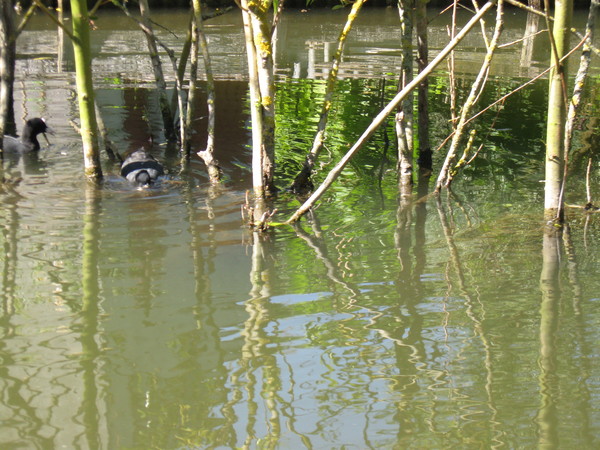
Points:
[445,177]
[392,105]
[302,184]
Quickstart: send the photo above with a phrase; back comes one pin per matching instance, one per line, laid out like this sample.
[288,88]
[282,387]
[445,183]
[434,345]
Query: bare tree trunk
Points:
[159,77]
[85,88]
[584,65]
[446,175]
[255,109]
[188,117]
[451,79]
[7,69]
[302,184]
[555,151]
[531,28]
[425,157]
[404,116]
[257,29]
[207,155]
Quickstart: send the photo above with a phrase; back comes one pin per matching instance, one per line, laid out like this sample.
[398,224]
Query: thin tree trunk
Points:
[255,108]
[261,27]
[7,69]
[451,78]
[184,56]
[425,157]
[188,117]
[555,150]
[584,65]
[85,88]
[302,184]
[257,32]
[531,29]
[392,105]
[446,175]
[4,68]
[207,155]
[159,78]
[404,116]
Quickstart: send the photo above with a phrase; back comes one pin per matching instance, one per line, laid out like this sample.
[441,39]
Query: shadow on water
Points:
[152,319]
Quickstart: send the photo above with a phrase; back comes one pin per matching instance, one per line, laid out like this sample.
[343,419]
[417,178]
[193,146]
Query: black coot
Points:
[141,168]
[28,141]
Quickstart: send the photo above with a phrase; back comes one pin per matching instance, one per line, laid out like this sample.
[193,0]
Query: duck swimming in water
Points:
[141,168]
[28,141]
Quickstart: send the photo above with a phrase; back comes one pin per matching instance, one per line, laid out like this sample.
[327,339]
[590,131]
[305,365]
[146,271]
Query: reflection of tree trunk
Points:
[531,28]
[547,419]
[475,309]
[581,358]
[64,51]
[420,221]
[90,313]
[10,227]
[254,352]
[204,310]
[317,243]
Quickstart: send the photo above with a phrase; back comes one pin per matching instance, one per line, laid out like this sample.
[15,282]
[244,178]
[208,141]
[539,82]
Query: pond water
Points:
[155,319]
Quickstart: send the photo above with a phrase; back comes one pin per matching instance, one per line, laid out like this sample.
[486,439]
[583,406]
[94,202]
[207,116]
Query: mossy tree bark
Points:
[258,32]
[85,88]
[404,115]
[557,111]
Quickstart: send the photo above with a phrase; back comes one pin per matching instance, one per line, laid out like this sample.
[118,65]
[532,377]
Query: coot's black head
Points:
[35,126]
[28,141]
[32,128]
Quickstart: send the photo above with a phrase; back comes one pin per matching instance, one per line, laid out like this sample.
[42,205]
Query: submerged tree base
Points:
[303,185]
[256,213]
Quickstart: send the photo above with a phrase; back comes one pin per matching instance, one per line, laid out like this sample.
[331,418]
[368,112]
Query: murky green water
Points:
[154,319]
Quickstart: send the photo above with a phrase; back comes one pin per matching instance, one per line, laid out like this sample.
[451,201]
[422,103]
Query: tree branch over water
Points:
[392,105]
